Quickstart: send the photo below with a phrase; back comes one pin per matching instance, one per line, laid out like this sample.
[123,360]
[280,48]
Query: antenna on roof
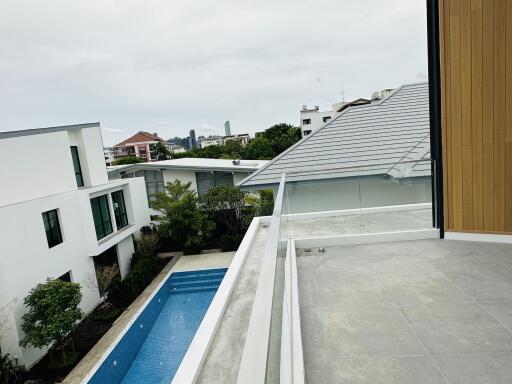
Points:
[342,93]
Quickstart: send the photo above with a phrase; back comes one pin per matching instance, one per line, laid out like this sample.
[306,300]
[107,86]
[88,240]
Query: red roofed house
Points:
[139,145]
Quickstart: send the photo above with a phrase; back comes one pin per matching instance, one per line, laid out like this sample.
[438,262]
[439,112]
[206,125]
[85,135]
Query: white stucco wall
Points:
[35,166]
[185,176]
[334,194]
[39,165]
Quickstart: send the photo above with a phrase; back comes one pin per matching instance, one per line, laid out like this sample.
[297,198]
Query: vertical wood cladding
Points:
[476,107]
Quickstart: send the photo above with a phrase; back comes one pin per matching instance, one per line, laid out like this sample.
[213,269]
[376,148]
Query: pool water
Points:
[154,346]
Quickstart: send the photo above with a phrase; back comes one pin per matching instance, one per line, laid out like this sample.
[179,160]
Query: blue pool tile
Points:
[154,346]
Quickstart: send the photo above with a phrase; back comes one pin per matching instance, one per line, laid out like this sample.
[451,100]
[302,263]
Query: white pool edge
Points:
[190,367]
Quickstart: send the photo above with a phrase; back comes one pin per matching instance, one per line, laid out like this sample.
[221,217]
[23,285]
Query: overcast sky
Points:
[169,66]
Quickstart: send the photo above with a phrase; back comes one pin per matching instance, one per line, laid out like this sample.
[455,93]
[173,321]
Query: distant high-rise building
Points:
[227,129]
[192,139]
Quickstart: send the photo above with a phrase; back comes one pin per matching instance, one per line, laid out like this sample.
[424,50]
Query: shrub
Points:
[181,218]
[145,265]
[266,207]
[9,374]
[230,243]
[146,245]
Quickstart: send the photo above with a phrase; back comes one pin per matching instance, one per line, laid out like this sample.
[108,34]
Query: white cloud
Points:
[128,64]
[112,131]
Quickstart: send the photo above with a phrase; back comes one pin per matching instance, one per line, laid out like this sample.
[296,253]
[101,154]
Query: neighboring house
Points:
[139,145]
[60,217]
[109,156]
[363,143]
[312,119]
[203,174]
[211,140]
[243,138]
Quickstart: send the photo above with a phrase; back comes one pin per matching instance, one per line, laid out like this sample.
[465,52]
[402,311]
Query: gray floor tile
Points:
[483,282]
[500,310]
[358,330]
[387,370]
[495,368]
[457,328]
[423,288]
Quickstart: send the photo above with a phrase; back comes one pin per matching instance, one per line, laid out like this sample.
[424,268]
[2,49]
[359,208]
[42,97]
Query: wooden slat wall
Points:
[476,108]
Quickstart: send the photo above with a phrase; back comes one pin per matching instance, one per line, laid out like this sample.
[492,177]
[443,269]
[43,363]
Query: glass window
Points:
[101,215]
[326,119]
[76,165]
[66,277]
[119,209]
[207,180]
[306,121]
[154,182]
[52,228]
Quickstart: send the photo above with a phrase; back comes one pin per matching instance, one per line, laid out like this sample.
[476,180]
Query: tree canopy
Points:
[52,312]
[127,160]
[265,146]
[161,152]
[180,216]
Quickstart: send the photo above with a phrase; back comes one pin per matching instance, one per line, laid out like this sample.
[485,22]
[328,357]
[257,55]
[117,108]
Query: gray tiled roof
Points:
[395,129]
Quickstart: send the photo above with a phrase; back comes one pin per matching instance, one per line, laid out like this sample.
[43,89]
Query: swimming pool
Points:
[152,348]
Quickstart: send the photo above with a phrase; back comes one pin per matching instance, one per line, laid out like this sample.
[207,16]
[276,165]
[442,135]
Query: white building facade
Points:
[211,140]
[202,173]
[59,216]
[313,118]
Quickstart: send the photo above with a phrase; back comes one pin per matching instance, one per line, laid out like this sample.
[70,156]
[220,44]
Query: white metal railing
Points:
[292,358]
[253,365]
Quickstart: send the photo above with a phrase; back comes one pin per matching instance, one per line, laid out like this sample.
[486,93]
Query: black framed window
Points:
[76,164]
[52,228]
[119,209]
[66,277]
[101,216]
[207,180]
[326,119]
[306,121]
[154,182]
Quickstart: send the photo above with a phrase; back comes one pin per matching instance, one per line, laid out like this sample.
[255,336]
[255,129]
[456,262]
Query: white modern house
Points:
[202,173]
[60,217]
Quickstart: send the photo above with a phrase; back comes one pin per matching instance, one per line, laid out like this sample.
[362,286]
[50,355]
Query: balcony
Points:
[363,292]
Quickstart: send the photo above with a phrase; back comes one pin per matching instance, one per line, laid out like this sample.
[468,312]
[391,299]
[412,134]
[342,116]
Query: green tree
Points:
[282,136]
[181,218]
[52,313]
[161,152]
[227,204]
[127,160]
[259,149]
[233,150]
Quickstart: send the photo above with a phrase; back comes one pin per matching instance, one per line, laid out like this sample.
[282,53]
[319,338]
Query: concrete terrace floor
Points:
[356,223]
[223,358]
[426,311]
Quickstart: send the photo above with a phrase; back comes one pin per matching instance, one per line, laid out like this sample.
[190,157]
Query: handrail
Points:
[253,365]
[288,173]
[292,358]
